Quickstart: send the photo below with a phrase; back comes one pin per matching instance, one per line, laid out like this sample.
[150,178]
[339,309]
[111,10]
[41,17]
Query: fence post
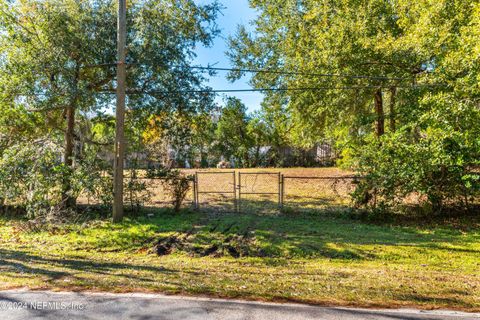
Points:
[235,209]
[195,191]
[279,190]
[282,190]
[239,192]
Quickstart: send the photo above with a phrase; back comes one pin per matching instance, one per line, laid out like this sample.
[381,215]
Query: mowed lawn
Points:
[318,257]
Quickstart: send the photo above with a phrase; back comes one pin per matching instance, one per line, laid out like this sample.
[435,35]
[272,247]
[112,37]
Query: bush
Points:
[437,170]
[433,160]
[176,183]
[32,176]
[136,191]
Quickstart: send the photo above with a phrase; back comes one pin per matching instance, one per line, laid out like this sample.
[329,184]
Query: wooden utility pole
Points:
[120,113]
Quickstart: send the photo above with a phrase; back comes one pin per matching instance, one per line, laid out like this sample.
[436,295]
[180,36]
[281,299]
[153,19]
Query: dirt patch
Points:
[166,245]
[235,246]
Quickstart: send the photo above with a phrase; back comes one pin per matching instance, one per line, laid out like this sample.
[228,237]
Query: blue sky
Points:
[235,12]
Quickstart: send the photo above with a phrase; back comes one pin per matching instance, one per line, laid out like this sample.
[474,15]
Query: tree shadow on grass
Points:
[271,237]
[26,263]
[319,234]
[258,235]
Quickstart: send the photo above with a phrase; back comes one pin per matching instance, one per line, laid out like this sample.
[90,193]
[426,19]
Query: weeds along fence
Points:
[143,191]
[239,191]
[151,192]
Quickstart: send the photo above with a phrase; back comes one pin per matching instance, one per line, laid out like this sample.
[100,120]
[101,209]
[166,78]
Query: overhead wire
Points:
[209,91]
[271,71]
[154,92]
[267,71]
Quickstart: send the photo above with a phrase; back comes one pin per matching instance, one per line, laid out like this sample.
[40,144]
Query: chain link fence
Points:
[156,195]
[141,192]
[314,193]
[215,190]
[259,192]
[239,191]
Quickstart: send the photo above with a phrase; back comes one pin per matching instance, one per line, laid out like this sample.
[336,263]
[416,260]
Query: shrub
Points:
[435,158]
[32,175]
[176,183]
[136,191]
[437,168]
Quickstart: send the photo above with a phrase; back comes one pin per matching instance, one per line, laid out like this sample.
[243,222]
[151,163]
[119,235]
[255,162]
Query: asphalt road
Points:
[69,305]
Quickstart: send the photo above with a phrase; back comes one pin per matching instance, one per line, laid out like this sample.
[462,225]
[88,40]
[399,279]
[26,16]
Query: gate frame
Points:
[197,191]
[279,192]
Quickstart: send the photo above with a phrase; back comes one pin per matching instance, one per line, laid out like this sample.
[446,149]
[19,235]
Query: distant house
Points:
[321,154]
[325,154]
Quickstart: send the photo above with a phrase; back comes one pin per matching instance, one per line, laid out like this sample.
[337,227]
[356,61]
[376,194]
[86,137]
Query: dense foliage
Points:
[57,76]
[395,83]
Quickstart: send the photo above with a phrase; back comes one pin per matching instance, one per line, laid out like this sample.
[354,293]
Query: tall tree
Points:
[387,43]
[257,130]
[58,58]
[232,138]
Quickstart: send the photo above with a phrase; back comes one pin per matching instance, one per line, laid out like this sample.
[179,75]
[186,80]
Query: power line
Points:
[267,71]
[156,92]
[297,73]
[170,92]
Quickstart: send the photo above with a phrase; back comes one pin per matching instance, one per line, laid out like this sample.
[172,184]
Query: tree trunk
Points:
[379,112]
[247,160]
[393,93]
[257,156]
[203,159]
[67,200]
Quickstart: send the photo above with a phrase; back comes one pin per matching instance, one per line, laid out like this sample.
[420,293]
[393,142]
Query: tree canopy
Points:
[57,67]
[394,84]
[400,81]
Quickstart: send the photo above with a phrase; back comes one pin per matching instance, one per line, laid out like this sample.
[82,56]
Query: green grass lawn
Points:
[316,258]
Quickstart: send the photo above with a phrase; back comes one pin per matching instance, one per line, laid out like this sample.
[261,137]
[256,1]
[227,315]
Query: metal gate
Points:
[215,190]
[267,192]
[260,190]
